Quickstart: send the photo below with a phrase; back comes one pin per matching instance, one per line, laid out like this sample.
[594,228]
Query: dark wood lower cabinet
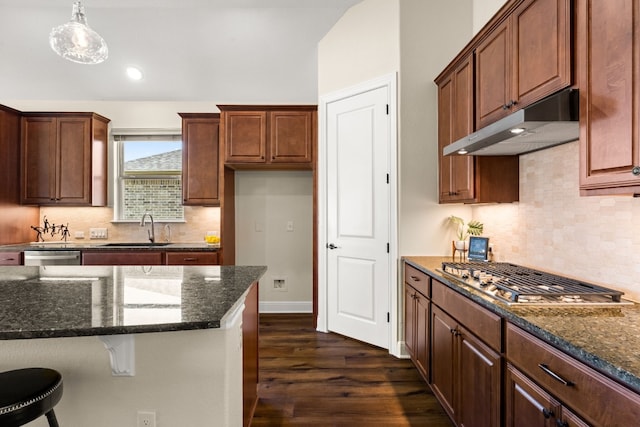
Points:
[479,382]
[443,359]
[122,258]
[466,374]
[527,405]
[149,258]
[417,321]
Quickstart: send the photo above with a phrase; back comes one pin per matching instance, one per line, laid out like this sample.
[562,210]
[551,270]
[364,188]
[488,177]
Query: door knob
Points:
[331,246]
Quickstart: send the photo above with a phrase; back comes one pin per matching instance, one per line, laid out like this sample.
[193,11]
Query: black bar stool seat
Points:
[27,394]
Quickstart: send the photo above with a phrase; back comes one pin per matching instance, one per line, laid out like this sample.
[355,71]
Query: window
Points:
[149,177]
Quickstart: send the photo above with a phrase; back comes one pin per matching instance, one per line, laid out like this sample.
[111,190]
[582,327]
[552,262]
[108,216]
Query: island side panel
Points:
[250,327]
[189,378]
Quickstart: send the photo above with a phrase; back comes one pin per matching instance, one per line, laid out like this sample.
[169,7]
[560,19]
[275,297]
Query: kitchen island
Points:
[167,339]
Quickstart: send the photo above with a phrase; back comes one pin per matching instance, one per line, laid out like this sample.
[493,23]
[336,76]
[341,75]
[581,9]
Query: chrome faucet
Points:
[150,233]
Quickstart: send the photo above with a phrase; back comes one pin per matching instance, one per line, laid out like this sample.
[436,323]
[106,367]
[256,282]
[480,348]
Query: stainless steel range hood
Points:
[551,121]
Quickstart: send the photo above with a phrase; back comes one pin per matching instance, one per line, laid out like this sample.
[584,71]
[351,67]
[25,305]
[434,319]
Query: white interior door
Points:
[358,217]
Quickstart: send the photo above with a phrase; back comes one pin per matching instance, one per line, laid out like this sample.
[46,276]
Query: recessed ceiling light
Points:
[134,73]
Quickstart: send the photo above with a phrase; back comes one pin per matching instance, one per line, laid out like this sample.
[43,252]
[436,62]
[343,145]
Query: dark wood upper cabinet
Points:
[15,219]
[524,58]
[608,46]
[468,179]
[64,159]
[273,137]
[455,120]
[200,159]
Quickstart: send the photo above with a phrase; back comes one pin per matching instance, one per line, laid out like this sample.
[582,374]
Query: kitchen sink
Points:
[135,244]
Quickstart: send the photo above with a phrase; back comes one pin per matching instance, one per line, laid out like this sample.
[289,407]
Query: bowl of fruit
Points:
[212,240]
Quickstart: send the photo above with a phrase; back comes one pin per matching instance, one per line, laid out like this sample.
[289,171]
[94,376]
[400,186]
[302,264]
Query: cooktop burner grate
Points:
[525,282]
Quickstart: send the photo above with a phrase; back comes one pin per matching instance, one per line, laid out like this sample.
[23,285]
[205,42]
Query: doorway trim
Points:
[388,81]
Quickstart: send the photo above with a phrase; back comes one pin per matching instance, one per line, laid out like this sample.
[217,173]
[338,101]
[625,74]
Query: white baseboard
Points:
[286,307]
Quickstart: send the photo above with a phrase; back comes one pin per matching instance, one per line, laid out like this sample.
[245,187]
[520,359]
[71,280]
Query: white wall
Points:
[363,45]
[483,10]
[189,378]
[265,202]
[378,37]
[424,54]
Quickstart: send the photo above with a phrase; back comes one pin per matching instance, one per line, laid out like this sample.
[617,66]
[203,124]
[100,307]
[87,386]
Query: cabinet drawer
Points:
[191,258]
[10,258]
[484,324]
[617,405]
[417,279]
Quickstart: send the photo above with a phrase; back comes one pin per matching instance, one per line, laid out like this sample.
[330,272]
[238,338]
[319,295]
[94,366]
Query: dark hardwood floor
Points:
[309,378]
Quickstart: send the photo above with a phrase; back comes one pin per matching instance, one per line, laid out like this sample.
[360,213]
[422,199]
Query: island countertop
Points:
[66,301]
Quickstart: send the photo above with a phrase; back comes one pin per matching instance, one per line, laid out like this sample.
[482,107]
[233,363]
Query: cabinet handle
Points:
[415,278]
[190,259]
[561,423]
[8,259]
[456,332]
[555,376]
[636,170]
[547,413]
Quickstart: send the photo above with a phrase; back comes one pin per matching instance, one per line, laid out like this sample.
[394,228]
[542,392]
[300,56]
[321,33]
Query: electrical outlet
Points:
[280,284]
[146,419]
[97,233]
[79,235]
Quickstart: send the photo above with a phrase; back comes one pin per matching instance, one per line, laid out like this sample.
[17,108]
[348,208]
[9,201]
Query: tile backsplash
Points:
[595,238]
[198,220]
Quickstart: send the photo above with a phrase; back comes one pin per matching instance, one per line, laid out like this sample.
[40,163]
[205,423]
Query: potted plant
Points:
[473,228]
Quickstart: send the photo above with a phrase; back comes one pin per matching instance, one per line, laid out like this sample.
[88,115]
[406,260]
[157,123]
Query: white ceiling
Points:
[227,51]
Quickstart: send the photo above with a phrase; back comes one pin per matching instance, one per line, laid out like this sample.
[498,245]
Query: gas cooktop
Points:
[517,285]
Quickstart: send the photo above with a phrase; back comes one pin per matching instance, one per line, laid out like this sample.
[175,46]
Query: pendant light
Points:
[77,42]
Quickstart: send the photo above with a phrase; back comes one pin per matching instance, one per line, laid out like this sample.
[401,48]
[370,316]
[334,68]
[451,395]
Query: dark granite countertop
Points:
[607,339]
[105,246]
[65,301]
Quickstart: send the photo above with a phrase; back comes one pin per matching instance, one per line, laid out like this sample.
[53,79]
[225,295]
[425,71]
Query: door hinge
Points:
[387,248]
[388,317]
[387,109]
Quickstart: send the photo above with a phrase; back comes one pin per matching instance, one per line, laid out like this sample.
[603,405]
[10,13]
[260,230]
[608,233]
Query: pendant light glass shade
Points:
[77,42]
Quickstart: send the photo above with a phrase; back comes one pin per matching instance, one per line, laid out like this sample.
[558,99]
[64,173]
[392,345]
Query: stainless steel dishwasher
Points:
[52,257]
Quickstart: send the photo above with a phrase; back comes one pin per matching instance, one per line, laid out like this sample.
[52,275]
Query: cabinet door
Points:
[527,405]
[423,320]
[479,375]
[38,152]
[608,74]
[443,360]
[291,134]
[455,121]
[493,75]
[541,49]
[569,419]
[245,136]
[410,320]
[200,161]
[73,161]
